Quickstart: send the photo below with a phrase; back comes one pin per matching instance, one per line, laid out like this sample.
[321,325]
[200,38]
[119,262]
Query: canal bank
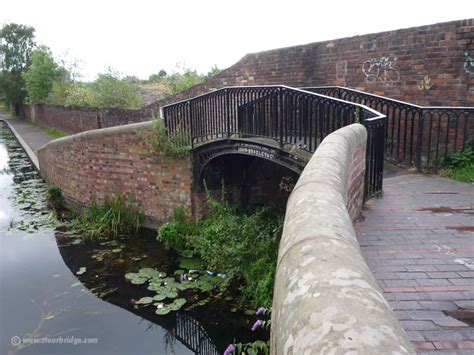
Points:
[61,291]
[30,137]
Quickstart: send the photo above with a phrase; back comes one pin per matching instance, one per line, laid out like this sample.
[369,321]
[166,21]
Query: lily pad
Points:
[159,297]
[150,273]
[171,294]
[185,286]
[131,276]
[249,312]
[145,300]
[179,272]
[117,250]
[82,270]
[138,281]
[180,301]
[154,286]
[162,311]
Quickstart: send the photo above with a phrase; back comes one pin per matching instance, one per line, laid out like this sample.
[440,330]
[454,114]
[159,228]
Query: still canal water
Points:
[47,308]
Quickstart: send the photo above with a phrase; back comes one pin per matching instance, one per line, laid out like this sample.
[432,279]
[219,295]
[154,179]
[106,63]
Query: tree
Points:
[214,71]
[156,78]
[41,75]
[111,91]
[16,46]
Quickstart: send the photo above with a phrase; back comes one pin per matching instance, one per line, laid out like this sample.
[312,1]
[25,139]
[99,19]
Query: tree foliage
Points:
[41,75]
[180,80]
[16,46]
[111,91]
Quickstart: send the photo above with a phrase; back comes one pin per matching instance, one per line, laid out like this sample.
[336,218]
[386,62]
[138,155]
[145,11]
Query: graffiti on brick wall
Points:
[383,69]
[425,83]
[469,64]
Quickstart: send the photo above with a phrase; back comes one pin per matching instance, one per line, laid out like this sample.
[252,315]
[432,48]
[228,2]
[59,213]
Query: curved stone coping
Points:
[97,133]
[326,300]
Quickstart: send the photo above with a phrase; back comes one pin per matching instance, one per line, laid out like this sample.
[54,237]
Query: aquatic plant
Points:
[169,288]
[114,218]
[242,243]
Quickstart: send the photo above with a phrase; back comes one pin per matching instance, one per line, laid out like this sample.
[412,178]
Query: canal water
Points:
[59,296]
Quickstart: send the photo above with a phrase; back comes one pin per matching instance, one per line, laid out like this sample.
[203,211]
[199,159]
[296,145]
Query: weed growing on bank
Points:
[240,242]
[459,165]
[114,218]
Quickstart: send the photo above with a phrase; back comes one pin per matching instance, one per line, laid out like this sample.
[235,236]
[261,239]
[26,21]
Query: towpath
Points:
[418,241]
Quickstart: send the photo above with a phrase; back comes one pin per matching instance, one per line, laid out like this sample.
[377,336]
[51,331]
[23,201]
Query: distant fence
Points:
[415,135]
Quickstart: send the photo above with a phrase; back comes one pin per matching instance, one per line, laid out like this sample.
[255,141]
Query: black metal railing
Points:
[415,135]
[282,114]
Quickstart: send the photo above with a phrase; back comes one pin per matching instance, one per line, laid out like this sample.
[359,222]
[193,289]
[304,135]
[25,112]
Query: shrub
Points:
[177,144]
[110,91]
[459,165]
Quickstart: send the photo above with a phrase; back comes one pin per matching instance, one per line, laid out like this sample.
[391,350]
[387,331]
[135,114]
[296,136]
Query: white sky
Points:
[140,37]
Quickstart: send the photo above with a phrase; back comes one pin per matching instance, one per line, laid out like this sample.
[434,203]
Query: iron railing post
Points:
[419,140]
[280,118]
[226,94]
[191,133]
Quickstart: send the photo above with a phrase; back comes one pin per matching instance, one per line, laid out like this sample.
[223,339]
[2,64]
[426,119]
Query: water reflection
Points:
[40,298]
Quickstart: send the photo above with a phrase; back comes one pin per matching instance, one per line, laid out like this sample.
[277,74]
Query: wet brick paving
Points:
[418,241]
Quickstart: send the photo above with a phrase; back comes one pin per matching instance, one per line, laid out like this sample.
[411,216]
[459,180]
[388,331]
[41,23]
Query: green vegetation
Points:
[108,90]
[168,288]
[34,75]
[242,243]
[181,80]
[176,144]
[114,218]
[16,46]
[41,75]
[54,196]
[460,165]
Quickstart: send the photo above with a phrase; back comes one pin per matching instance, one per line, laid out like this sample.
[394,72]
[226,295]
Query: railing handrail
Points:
[377,114]
[390,99]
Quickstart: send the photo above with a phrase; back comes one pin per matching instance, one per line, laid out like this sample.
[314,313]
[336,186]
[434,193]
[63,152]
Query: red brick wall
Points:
[426,65]
[79,119]
[93,165]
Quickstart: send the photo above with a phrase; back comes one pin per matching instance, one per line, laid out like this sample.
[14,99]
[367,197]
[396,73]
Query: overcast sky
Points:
[138,37]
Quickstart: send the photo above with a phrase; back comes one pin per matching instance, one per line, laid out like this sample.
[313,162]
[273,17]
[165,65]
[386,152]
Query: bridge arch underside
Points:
[247,175]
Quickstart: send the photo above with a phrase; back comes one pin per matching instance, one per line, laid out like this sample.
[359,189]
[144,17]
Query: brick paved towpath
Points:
[418,241]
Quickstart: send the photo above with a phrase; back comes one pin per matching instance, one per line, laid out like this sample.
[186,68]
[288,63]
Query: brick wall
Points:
[79,119]
[427,65]
[92,165]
